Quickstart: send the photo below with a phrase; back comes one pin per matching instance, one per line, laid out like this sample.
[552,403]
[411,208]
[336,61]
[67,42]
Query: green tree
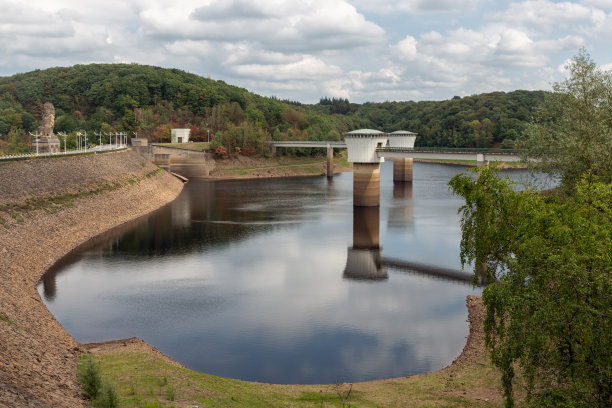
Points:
[549,267]
[572,134]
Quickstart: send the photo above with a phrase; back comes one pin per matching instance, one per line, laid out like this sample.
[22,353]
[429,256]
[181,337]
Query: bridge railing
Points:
[66,153]
[450,150]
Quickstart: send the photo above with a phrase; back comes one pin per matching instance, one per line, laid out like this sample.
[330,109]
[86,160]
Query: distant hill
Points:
[151,100]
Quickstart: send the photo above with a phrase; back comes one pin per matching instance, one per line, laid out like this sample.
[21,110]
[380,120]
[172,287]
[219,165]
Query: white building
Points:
[180,135]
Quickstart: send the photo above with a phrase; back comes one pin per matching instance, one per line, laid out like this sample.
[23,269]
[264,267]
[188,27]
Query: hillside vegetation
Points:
[151,100]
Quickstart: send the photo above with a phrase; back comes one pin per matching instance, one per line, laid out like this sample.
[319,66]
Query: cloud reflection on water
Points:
[257,290]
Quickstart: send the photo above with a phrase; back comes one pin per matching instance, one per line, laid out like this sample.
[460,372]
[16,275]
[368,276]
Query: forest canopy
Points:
[151,100]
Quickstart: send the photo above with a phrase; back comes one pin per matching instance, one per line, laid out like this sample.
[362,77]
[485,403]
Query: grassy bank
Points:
[146,378]
[197,146]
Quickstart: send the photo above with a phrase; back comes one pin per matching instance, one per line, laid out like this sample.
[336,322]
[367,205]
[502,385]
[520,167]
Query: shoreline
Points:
[38,357]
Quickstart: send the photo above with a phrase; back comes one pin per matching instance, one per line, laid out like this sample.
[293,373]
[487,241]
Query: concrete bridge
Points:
[367,148]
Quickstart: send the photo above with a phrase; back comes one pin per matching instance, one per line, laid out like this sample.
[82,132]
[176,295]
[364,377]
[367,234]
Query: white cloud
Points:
[415,6]
[604,4]
[305,49]
[407,48]
[307,68]
[284,25]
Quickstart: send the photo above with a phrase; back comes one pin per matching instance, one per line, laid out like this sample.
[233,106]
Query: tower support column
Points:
[366,184]
[330,161]
[402,170]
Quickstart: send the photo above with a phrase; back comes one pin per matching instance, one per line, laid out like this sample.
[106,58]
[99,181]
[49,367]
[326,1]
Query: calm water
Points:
[247,279]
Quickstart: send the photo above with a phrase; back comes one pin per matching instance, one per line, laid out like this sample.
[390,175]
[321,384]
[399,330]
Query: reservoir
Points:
[250,279]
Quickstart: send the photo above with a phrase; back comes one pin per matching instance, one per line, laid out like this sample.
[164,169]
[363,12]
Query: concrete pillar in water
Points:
[366,184]
[402,170]
[330,161]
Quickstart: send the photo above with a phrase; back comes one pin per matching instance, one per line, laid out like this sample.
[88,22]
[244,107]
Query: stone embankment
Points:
[47,208]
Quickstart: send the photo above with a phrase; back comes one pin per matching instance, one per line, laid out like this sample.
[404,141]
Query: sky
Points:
[363,50]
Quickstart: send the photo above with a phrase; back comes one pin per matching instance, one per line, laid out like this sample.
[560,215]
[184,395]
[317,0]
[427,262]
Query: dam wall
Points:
[188,163]
[48,207]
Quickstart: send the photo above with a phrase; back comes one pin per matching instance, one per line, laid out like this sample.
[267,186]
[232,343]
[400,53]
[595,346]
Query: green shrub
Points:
[107,397]
[88,374]
[170,393]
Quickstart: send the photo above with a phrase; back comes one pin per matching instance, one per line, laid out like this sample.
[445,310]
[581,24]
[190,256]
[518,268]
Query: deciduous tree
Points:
[572,134]
[549,267]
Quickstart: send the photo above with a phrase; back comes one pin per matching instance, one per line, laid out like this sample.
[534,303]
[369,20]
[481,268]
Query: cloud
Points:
[541,15]
[283,25]
[307,68]
[220,10]
[305,49]
[415,6]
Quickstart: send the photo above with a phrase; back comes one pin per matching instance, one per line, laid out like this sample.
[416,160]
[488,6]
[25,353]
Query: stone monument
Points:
[47,141]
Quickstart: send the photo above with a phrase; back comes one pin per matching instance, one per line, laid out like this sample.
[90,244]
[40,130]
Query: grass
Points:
[198,146]
[146,380]
[5,319]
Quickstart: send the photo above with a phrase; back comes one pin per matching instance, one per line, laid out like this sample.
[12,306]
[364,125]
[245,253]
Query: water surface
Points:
[247,279]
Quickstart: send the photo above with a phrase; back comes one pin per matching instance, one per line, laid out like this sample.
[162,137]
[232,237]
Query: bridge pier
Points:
[366,184]
[402,170]
[330,161]
[480,160]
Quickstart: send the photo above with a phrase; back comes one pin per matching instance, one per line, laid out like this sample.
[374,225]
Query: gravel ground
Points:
[38,357]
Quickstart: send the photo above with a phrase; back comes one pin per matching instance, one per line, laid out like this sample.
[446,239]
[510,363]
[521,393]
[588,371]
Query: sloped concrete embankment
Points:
[47,208]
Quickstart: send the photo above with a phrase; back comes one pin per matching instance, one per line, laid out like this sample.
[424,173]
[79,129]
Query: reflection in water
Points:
[241,279]
[49,286]
[363,257]
[401,213]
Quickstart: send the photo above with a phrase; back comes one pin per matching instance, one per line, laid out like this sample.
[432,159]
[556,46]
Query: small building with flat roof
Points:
[180,135]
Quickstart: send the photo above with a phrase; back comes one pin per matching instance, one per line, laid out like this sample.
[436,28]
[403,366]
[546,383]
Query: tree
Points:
[549,267]
[572,134]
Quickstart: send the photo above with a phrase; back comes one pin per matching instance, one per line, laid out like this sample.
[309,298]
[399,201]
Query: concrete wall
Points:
[188,163]
[180,135]
[41,177]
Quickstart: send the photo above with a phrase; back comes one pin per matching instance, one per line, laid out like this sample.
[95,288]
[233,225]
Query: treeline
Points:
[494,119]
[152,100]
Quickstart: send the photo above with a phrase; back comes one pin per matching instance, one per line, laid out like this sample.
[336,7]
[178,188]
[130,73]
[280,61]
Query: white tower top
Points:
[362,145]
[402,138]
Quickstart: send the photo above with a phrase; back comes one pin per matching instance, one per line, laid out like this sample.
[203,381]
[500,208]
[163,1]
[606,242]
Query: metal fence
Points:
[96,149]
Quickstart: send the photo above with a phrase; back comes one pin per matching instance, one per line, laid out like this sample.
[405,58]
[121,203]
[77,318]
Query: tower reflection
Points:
[363,257]
[401,214]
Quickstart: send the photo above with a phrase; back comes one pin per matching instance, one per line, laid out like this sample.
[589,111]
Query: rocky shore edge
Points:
[38,358]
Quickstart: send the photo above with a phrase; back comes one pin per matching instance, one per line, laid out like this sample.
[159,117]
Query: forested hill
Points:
[152,100]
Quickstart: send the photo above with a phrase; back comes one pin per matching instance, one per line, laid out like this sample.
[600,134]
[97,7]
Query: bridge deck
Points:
[304,143]
[506,155]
